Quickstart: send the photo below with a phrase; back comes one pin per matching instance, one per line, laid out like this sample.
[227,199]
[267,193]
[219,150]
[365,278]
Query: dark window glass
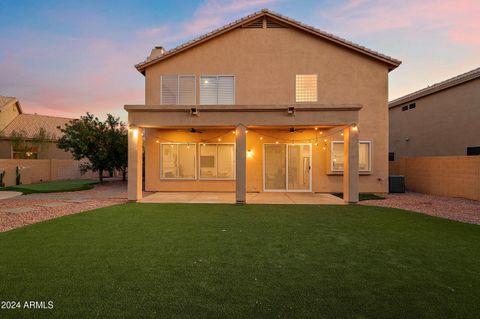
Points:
[404,108]
[412,106]
[391,156]
[473,150]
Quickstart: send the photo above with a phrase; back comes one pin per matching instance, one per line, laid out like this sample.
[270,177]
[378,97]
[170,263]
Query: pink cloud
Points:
[458,21]
[211,14]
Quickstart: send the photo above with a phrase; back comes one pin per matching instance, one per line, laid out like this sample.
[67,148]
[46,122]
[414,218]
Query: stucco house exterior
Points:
[14,122]
[439,120]
[263,104]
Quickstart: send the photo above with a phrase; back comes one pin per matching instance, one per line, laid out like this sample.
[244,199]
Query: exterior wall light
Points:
[249,153]
[354,127]
[135,132]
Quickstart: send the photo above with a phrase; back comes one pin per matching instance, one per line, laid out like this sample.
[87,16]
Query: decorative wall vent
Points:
[257,24]
[274,24]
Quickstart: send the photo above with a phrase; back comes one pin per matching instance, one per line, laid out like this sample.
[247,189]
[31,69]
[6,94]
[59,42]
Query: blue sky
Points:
[69,57]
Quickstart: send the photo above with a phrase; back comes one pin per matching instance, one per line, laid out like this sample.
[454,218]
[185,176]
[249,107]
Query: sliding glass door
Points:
[287,167]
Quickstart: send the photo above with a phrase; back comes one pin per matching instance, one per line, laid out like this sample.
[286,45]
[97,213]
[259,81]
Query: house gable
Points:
[268,19]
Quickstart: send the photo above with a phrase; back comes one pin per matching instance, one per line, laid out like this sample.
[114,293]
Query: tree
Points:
[118,140]
[103,144]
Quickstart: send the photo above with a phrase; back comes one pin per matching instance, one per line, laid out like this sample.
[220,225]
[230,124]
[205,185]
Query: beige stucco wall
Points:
[322,178]
[444,123]
[454,176]
[7,115]
[265,62]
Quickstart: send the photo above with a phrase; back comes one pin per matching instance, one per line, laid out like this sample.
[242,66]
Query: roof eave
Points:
[392,63]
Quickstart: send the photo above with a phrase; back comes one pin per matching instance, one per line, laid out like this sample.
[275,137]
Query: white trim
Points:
[194,163]
[216,164]
[286,145]
[370,165]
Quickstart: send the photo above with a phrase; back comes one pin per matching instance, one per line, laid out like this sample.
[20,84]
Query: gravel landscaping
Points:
[33,208]
[460,209]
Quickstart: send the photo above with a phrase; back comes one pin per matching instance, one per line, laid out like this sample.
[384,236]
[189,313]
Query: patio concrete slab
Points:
[252,198]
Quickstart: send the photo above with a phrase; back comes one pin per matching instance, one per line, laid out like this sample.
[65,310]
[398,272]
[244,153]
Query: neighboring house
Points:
[20,133]
[314,107]
[440,120]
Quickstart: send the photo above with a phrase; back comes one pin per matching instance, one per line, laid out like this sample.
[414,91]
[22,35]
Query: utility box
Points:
[396,184]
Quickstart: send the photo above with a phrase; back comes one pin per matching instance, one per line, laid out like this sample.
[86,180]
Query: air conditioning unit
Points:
[396,184]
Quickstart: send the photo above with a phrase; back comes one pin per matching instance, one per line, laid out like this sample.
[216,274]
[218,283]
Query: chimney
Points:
[156,52]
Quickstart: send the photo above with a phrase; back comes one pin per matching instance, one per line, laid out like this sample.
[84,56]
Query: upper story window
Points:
[409,106]
[217,89]
[178,89]
[306,88]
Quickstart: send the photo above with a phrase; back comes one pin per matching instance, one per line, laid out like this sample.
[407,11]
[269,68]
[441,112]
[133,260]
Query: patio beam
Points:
[350,166]
[135,152]
[241,164]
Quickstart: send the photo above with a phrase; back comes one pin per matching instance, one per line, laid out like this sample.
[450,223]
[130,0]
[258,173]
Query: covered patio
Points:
[239,120]
[252,198]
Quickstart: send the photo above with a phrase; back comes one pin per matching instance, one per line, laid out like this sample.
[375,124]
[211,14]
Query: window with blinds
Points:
[217,89]
[306,88]
[178,89]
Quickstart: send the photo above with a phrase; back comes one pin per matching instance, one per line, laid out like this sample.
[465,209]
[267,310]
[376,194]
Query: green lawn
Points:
[250,261]
[52,187]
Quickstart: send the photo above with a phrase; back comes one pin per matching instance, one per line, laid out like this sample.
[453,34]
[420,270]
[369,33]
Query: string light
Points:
[314,140]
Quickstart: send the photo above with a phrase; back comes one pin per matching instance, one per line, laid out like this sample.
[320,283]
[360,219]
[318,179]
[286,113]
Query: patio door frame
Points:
[309,190]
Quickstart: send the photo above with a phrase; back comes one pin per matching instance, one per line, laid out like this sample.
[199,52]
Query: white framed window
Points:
[306,88]
[217,161]
[178,90]
[178,161]
[217,89]
[364,156]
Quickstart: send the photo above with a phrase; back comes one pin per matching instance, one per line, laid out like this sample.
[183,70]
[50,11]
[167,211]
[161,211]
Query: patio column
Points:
[350,164]
[241,164]
[135,151]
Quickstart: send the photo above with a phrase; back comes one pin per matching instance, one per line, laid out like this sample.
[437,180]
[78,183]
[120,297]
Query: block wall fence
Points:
[42,170]
[454,176]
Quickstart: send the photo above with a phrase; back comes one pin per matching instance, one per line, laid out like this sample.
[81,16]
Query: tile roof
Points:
[31,124]
[393,63]
[456,80]
[5,100]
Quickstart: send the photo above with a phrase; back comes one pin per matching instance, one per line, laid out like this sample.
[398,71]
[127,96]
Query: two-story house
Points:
[439,120]
[263,104]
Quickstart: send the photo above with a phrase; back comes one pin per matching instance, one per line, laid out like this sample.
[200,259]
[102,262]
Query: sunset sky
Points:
[69,57]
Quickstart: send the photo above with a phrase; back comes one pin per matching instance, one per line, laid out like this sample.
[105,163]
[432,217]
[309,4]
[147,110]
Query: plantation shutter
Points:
[186,90]
[208,90]
[226,90]
[169,89]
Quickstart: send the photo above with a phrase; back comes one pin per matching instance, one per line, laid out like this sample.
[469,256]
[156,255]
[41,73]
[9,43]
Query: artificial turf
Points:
[250,261]
[52,187]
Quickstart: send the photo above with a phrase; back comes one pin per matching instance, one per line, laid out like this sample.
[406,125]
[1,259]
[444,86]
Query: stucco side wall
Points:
[265,62]
[322,181]
[442,124]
